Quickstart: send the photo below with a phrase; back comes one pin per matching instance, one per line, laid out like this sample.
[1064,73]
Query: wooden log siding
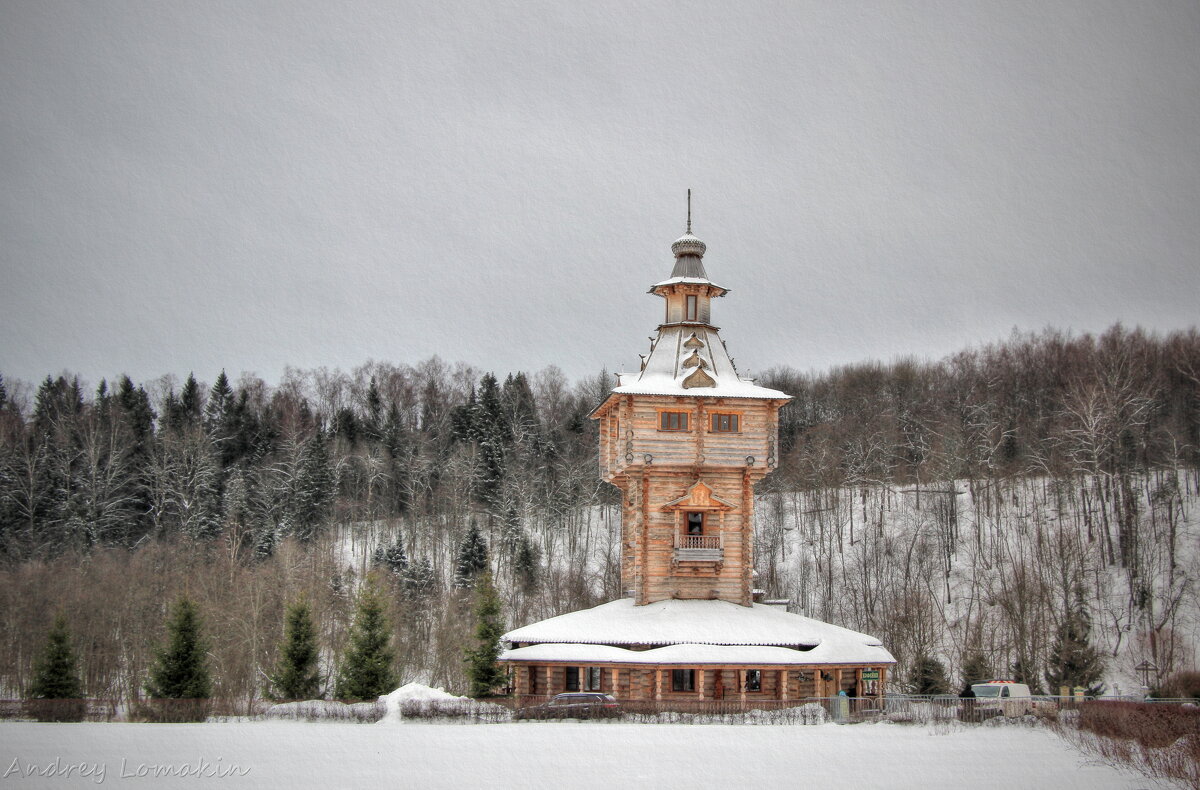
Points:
[656,573]
[630,429]
[712,681]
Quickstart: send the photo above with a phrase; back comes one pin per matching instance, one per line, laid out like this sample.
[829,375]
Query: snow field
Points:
[560,755]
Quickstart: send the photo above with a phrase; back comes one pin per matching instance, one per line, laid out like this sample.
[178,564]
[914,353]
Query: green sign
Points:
[870,674]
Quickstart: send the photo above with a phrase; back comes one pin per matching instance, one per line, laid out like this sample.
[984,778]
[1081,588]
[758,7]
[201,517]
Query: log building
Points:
[686,439]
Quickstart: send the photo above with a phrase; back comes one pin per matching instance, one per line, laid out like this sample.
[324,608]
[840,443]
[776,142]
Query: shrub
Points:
[1180,685]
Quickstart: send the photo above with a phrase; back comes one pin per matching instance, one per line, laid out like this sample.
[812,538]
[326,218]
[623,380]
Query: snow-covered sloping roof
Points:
[692,623]
[665,371]
[670,654]
[693,280]
[757,655]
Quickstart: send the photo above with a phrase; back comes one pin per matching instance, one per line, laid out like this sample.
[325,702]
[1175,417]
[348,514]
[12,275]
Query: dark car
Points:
[573,705]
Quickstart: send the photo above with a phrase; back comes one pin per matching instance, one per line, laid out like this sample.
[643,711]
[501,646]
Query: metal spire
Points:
[689,225]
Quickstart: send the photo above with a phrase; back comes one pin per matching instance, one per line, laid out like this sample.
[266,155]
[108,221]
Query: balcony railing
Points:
[699,548]
[698,542]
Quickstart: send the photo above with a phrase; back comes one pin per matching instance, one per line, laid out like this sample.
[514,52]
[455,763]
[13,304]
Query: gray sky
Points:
[249,185]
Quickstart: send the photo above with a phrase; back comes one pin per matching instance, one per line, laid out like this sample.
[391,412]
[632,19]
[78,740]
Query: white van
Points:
[1002,696]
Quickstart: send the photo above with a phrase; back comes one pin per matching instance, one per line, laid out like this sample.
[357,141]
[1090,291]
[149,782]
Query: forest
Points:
[970,510]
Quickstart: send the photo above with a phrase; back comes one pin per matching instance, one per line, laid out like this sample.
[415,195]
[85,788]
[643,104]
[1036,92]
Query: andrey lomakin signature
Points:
[200,768]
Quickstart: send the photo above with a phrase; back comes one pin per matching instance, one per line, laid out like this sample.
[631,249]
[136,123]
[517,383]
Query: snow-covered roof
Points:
[688,245]
[691,280]
[723,389]
[694,623]
[690,654]
[678,352]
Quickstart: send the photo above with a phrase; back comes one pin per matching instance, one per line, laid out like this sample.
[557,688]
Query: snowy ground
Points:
[295,755]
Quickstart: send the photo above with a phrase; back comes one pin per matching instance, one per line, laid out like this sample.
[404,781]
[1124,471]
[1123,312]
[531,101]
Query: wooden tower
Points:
[685,440]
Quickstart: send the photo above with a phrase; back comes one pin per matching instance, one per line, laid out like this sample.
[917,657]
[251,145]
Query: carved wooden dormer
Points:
[686,439]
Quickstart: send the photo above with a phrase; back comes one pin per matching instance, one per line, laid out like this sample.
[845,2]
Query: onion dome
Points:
[687,244]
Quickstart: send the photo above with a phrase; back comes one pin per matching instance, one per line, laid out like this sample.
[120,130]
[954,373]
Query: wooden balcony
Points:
[699,548]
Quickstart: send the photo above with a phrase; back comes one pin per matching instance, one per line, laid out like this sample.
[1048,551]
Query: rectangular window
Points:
[683,680]
[725,423]
[753,680]
[592,677]
[691,308]
[572,678]
[533,685]
[695,523]
[673,421]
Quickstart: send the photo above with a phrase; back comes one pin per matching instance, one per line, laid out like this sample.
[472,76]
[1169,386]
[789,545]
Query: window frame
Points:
[571,679]
[754,686]
[734,421]
[682,418]
[591,674]
[687,526]
[691,307]
[683,680]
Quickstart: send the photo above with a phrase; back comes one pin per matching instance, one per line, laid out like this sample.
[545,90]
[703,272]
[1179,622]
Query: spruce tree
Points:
[180,668]
[484,672]
[296,676]
[190,402]
[975,669]
[472,558]
[56,677]
[525,567]
[315,487]
[419,579]
[393,556]
[1073,661]
[373,423]
[929,677]
[492,433]
[220,403]
[366,669]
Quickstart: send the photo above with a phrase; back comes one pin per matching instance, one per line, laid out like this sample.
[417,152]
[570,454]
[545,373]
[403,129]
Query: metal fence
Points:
[815,710]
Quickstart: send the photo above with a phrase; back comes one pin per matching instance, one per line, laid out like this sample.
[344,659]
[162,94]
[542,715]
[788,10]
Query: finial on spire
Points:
[689,225]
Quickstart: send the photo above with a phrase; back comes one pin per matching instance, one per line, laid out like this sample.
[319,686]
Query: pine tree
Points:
[975,669]
[366,670]
[493,434]
[472,558]
[190,402]
[220,402]
[373,423]
[180,668]
[419,579]
[296,676]
[525,567]
[393,556]
[220,421]
[345,424]
[929,677]
[315,487]
[484,672]
[56,678]
[1073,661]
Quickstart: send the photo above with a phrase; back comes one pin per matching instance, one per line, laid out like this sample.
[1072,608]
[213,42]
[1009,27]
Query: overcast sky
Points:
[249,185]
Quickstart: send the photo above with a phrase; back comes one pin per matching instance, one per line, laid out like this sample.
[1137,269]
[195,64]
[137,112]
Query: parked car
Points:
[573,705]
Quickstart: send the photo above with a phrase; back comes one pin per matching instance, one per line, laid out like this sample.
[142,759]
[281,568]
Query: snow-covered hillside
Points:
[945,568]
